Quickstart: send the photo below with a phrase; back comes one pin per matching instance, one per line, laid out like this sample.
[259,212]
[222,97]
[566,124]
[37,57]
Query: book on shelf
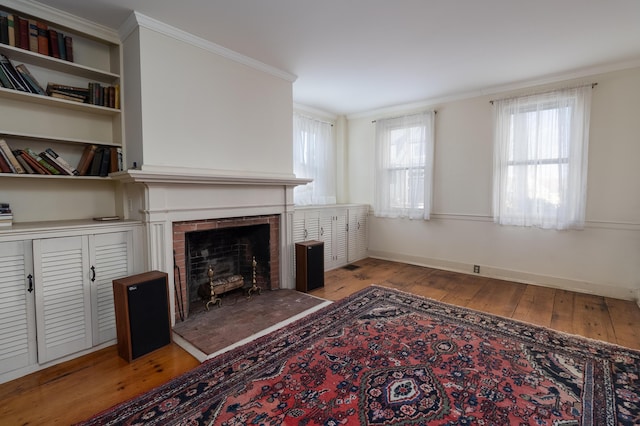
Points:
[68,47]
[4,79]
[115,162]
[43,38]
[62,162]
[96,164]
[86,159]
[35,166]
[22,39]
[6,150]
[11,24]
[14,77]
[61,47]
[4,27]
[47,157]
[5,167]
[30,80]
[33,35]
[70,93]
[42,161]
[54,47]
[66,96]
[106,162]
[27,168]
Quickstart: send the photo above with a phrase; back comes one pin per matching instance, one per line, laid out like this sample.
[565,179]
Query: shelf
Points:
[55,102]
[54,64]
[39,176]
[52,139]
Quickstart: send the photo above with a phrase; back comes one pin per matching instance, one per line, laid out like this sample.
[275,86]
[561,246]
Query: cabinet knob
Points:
[30,277]
[93,273]
[321,230]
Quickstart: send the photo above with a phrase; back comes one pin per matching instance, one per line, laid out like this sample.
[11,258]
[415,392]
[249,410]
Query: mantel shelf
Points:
[153,177]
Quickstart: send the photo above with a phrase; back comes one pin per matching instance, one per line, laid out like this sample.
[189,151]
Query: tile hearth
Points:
[240,317]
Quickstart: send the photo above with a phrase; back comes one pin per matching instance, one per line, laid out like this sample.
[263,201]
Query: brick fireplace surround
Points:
[159,199]
[180,229]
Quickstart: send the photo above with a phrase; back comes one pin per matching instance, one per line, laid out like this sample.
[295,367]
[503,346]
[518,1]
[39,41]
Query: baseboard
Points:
[516,276]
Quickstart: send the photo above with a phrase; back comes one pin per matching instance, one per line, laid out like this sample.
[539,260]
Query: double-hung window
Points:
[314,157]
[404,166]
[540,159]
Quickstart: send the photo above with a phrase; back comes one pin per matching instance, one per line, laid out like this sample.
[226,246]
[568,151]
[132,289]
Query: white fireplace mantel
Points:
[159,198]
[204,178]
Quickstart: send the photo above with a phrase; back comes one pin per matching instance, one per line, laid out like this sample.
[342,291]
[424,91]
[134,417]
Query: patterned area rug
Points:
[383,357]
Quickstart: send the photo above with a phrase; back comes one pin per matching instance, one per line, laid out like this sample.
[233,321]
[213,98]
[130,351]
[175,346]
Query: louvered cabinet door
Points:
[17,320]
[110,259]
[63,296]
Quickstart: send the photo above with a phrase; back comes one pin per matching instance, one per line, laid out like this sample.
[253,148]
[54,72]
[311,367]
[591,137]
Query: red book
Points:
[68,47]
[43,38]
[23,27]
[86,159]
[54,49]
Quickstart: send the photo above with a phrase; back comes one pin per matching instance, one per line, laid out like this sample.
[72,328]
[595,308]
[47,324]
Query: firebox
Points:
[229,247]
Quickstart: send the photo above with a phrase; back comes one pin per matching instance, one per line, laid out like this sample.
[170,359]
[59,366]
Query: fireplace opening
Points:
[229,252]
[229,247]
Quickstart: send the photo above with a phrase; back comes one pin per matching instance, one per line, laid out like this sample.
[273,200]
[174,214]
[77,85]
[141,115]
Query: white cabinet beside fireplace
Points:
[70,306]
[342,228]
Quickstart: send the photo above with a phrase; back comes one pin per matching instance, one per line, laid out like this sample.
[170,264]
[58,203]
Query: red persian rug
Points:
[383,357]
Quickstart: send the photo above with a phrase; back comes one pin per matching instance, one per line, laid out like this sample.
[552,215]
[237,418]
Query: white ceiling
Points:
[352,56]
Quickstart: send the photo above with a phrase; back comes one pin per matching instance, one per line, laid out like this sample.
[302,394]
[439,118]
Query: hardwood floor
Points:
[75,390]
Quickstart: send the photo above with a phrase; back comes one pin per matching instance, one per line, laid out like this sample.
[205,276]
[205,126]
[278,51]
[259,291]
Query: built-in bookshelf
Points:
[67,126]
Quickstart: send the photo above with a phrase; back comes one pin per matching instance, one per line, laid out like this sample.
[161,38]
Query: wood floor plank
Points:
[562,315]
[625,317]
[497,297]
[591,318]
[536,305]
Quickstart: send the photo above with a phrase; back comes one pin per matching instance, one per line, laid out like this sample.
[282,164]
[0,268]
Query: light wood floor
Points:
[75,390]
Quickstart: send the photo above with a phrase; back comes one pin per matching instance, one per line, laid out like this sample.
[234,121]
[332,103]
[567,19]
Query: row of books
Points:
[95,161]
[34,35]
[6,217]
[95,94]
[18,77]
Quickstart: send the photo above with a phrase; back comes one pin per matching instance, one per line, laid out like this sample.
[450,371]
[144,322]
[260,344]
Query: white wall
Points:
[602,259]
[203,110]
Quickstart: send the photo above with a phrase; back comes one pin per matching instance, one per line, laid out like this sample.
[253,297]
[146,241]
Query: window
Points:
[314,158]
[540,159]
[404,165]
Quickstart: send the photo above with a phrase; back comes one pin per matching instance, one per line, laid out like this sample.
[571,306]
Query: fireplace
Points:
[228,246]
[173,202]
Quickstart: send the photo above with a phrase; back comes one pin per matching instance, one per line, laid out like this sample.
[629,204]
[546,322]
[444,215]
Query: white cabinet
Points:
[63,299]
[306,225]
[60,289]
[358,233]
[17,319]
[342,228]
[333,232]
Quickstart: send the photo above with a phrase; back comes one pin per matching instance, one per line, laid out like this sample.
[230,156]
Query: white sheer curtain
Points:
[404,166]
[540,159]
[314,157]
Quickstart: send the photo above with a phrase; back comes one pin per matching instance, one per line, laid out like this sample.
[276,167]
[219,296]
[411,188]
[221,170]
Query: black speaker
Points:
[309,265]
[142,313]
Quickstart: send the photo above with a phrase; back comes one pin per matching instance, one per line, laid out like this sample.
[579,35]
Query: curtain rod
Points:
[314,119]
[400,116]
[542,93]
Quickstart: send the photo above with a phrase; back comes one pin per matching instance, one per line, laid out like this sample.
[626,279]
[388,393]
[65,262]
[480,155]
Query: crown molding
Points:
[136,19]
